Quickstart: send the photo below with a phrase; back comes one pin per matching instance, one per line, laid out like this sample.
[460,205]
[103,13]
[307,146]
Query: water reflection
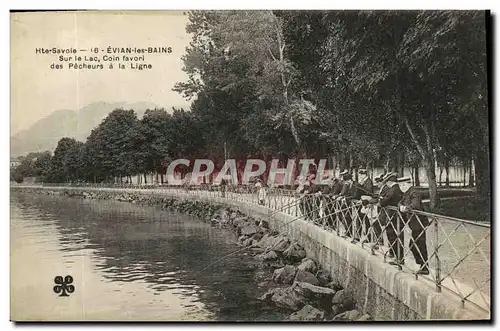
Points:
[129,245]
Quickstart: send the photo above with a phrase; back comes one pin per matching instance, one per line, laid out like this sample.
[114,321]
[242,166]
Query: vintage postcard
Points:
[269,165]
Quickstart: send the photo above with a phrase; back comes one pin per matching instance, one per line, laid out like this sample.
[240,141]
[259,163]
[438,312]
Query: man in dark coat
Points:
[418,224]
[364,192]
[348,193]
[302,190]
[313,200]
[377,219]
[394,227]
[327,196]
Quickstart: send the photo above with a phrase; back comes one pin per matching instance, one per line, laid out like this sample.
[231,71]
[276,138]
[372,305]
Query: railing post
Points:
[400,244]
[436,253]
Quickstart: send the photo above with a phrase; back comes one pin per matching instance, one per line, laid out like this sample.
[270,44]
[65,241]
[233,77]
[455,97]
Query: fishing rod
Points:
[287,223]
[247,247]
[287,205]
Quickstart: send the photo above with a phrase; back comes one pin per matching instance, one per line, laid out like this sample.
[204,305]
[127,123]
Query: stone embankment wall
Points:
[380,290]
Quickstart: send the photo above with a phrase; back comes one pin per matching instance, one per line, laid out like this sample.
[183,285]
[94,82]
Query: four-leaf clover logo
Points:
[64,285]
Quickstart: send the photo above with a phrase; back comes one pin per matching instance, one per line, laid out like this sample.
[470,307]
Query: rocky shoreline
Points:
[300,287]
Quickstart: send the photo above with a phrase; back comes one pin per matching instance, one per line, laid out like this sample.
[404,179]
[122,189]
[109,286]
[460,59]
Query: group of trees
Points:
[362,89]
[120,147]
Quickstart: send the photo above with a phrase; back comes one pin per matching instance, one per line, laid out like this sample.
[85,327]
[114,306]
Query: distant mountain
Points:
[44,134]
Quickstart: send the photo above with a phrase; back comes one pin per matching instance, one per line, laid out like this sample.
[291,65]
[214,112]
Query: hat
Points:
[362,171]
[379,178]
[329,180]
[390,176]
[346,176]
[366,197]
[403,179]
[258,180]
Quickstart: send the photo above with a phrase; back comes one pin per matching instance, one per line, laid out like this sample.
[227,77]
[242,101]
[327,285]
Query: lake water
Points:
[128,262]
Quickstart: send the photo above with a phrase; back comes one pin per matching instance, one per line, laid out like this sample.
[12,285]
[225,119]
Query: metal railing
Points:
[455,252]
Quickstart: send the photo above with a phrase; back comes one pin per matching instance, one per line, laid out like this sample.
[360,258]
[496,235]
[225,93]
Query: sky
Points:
[37,90]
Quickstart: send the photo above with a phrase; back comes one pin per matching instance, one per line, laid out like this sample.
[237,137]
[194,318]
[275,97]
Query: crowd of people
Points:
[359,207]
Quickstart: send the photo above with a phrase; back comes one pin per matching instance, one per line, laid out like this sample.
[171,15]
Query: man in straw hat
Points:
[394,229]
[418,224]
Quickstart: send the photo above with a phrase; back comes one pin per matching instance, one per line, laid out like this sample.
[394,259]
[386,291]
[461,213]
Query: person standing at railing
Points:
[327,194]
[349,191]
[261,192]
[394,229]
[223,185]
[313,198]
[364,192]
[301,181]
[372,211]
[418,224]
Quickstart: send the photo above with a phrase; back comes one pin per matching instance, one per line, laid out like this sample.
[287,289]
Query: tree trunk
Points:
[417,177]
[440,176]
[429,160]
[344,162]
[471,173]
[431,177]
[464,175]
[402,163]
[482,175]
[447,169]
[145,179]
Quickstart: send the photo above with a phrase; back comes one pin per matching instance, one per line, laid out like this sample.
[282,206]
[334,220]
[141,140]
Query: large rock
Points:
[249,230]
[265,241]
[285,275]
[314,295]
[350,315]
[275,264]
[308,265]
[257,236]
[267,256]
[233,216]
[239,221]
[323,277]
[269,294]
[287,298]
[307,277]
[264,224]
[342,301]
[334,285]
[280,244]
[313,292]
[294,253]
[307,313]
[242,238]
